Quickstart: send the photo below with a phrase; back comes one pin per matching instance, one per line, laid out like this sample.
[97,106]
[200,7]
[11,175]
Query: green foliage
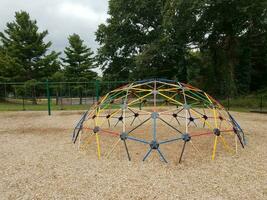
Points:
[220,46]
[23,52]
[78,61]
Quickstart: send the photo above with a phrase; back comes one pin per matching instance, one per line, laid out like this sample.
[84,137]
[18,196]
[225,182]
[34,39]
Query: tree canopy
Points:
[218,45]
[79,60]
[24,55]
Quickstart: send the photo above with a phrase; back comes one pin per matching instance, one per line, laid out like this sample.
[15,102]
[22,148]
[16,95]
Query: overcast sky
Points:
[60,17]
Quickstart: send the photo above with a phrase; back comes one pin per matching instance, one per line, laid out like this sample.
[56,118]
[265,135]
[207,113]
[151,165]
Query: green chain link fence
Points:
[51,96]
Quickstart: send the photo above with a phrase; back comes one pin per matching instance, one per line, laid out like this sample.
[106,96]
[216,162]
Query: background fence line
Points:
[49,95]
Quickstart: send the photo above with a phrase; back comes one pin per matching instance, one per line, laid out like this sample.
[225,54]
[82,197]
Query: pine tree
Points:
[23,53]
[78,61]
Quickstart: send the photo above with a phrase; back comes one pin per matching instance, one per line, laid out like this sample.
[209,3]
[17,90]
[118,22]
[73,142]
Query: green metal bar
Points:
[97,90]
[48,97]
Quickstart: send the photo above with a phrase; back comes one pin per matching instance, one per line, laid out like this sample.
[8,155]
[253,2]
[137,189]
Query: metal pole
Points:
[97,89]
[61,100]
[261,104]
[228,102]
[23,99]
[23,104]
[48,97]
[5,91]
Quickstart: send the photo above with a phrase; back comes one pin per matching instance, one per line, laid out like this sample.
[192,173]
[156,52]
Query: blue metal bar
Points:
[143,81]
[154,129]
[166,80]
[234,122]
[138,140]
[79,127]
[147,154]
[161,155]
[169,140]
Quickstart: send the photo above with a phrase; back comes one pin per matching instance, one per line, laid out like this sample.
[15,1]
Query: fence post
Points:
[48,97]
[261,104]
[23,97]
[5,92]
[228,103]
[23,103]
[97,89]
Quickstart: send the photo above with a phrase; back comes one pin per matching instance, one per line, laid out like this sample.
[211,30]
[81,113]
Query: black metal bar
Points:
[133,121]
[170,125]
[177,120]
[170,140]
[126,148]
[139,125]
[180,159]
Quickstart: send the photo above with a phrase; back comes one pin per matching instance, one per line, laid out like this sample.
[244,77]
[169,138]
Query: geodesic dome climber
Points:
[160,118]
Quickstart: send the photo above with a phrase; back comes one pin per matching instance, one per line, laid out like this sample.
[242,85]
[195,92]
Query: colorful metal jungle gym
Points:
[160,117]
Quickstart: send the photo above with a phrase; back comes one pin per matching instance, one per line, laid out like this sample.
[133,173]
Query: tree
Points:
[130,42]
[23,53]
[235,43]
[220,45]
[78,61]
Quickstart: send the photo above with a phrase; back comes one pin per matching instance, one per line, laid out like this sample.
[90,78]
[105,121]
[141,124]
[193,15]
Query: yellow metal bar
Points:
[170,98]
[87,141]
[214,114]
[196,149]
[204,121]
[98,145]
[139,110]
[140,84]
[103,121]
[214,148]
[178,87]
[104,98]
[225,116]
[168,89]
[207,97]
[226,146]
[98,111]
[139,98]
[173,95]
[139,89]
[215,117]
[113,148]
[191,97]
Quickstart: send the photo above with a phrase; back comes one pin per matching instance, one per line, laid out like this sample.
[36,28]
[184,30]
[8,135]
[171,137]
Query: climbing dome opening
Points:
[157,119]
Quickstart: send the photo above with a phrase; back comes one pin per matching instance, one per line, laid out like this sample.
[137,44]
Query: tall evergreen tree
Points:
[23,53]
[78,61]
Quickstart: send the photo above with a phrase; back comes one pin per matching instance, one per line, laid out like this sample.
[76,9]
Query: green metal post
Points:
[48,97]
[261,104]
[5,91]
[97,89]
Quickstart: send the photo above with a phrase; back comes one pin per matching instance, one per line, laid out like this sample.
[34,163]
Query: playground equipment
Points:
[151,115]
